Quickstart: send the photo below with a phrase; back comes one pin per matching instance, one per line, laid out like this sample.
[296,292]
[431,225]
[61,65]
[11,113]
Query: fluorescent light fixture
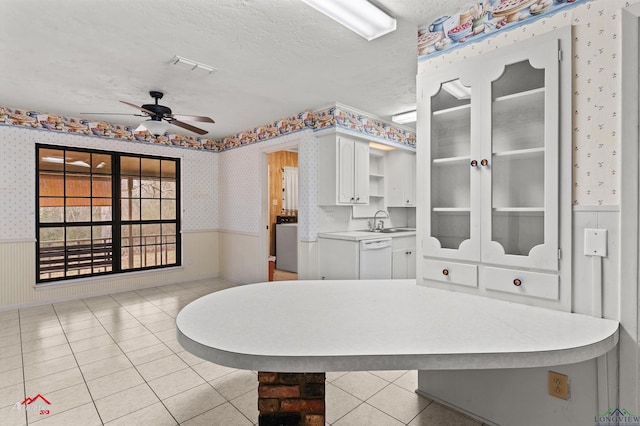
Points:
[405,117]
[380,146]
[154,127]
[457,89]
[359,16]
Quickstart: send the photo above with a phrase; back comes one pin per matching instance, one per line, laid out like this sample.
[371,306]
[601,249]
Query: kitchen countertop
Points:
[364,235]
[363,325]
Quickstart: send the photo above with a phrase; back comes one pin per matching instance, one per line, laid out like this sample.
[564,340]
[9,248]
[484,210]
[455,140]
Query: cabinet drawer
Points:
[450,272]
[525,283]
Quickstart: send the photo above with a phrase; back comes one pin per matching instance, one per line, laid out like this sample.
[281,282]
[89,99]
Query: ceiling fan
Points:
[159,115]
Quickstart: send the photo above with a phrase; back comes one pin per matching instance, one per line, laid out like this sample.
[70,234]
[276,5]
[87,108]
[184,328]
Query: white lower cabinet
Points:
[338,259]
[404,258]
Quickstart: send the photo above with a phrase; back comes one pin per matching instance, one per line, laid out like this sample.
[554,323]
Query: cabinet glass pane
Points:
[450,169]
[518,231]
[451,228]
[451,121]
[518,153]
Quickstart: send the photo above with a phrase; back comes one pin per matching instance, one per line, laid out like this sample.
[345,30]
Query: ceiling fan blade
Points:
[111,113]
[193,118]
[138,107]
[188,127]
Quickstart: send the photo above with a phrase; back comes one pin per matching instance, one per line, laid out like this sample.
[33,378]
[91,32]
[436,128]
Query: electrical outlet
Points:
[558,385]
[330,216]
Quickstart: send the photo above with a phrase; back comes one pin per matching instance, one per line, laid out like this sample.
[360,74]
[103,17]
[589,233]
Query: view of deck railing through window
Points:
[105,213]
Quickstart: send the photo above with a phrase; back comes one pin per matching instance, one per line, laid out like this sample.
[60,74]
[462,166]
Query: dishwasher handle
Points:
[375,244]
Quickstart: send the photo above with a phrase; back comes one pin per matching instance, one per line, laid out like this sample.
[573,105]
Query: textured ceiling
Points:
[274,58]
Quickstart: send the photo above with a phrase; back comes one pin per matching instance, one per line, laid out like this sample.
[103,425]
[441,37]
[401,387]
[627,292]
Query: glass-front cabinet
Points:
[489,134]
[453,188]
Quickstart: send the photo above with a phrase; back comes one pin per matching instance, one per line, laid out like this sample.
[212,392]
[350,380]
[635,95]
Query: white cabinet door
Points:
[404,257]
[400,264]
[346,170]
[520,168]
[449,176]
[343,171]
[401,186]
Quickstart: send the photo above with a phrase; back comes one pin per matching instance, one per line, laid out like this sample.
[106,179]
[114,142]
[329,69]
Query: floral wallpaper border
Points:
[337,116]
[483,19]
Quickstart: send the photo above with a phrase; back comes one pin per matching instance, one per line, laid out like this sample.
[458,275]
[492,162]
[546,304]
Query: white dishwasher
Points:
[375,259]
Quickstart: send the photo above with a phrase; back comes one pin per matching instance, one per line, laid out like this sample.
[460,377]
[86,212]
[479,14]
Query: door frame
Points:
[265,200]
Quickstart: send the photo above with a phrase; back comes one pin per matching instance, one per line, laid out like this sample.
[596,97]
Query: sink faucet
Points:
[380,225]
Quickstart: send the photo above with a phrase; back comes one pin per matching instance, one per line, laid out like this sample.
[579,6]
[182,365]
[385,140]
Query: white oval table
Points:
[319,326]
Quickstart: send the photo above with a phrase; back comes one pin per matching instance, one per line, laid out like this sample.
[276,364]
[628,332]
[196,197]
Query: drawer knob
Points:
[517,282]
[474,163]
[484,162]
[445,272]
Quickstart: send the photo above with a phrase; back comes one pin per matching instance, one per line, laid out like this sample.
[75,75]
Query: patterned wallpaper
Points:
[335,116]
[240,172]
[17,190]
[596,89]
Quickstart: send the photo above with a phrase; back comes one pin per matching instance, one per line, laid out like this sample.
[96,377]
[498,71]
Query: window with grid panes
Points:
[105,212]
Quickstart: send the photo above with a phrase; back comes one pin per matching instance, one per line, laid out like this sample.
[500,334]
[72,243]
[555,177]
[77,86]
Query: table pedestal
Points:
[291,399]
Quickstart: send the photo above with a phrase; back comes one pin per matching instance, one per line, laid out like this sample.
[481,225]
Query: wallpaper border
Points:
[336,115]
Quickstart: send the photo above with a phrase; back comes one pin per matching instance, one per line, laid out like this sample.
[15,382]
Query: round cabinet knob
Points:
[445,272]
[358,199]
[474,163]
[484,162]
[517,282]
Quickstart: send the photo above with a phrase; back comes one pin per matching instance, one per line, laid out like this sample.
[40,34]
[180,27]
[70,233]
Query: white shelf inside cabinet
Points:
[452,160]
[452,110]
[451,209]
[520,153]
[518,95]
[519,209]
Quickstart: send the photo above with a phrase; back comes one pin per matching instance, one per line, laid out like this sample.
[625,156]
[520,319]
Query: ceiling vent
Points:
[190,64]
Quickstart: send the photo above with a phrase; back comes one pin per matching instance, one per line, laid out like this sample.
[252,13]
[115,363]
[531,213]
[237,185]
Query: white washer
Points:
[287,247]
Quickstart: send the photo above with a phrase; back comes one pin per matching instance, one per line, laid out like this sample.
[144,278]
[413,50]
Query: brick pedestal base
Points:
[291,399]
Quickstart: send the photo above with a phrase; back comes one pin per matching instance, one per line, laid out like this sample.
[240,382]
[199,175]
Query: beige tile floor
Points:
[114,360]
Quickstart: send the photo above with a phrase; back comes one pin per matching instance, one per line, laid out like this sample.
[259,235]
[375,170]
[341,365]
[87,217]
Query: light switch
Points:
[274,202]
[595,242]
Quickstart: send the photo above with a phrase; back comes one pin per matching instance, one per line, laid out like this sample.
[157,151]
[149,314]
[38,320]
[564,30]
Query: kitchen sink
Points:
[393,230]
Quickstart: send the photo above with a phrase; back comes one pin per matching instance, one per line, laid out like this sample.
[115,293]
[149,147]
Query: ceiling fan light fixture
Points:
[155,127]
[360,16]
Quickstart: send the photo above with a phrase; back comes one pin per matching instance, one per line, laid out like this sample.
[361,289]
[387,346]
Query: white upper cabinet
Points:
[343,171]
[401,178]
[491,131]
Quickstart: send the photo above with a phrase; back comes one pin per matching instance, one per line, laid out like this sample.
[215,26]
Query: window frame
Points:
[116,221]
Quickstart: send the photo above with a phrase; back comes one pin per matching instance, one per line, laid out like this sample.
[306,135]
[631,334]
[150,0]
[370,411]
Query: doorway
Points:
[282,205]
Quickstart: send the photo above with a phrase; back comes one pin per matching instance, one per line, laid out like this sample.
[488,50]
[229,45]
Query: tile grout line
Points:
[76,359]
[190,367]
[196,372]
[24,378]
[136,367]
